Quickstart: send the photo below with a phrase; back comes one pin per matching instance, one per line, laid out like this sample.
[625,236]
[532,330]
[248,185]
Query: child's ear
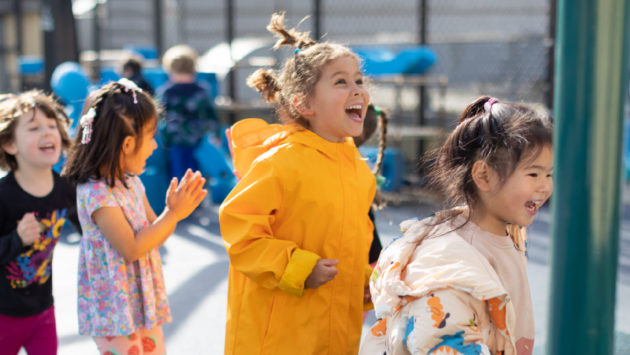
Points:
[10,148]
[302,106]
[481,172]
[129,145]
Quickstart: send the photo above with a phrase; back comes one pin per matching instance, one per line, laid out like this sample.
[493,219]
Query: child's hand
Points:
[184,197]
[367,296]
[28,229]
[323,272]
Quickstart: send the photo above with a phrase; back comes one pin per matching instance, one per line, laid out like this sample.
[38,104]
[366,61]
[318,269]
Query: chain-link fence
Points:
[501,47]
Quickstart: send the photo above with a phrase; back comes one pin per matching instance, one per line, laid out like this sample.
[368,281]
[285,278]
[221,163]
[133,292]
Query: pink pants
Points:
[144,341]
[37,334]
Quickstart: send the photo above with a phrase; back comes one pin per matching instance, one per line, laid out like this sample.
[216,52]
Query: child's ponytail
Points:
[474,109]
[383,119]
[265,82]
[288,37]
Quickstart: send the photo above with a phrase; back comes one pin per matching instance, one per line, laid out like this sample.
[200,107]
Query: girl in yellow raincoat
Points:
[296,227]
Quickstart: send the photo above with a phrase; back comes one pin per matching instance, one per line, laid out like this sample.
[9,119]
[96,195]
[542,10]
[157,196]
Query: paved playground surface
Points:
[196,268]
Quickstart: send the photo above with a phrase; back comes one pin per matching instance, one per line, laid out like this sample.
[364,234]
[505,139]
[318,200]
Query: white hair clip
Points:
[86,123]
[130,86]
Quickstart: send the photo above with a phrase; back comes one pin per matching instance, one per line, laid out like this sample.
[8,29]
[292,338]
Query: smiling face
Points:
[338,105]
[135,157]
[37,141]
[517,200]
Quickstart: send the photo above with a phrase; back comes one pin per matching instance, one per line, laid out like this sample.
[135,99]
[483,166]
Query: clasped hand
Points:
[183,198]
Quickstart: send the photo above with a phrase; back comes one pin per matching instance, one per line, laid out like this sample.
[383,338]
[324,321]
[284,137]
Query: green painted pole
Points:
[590,86]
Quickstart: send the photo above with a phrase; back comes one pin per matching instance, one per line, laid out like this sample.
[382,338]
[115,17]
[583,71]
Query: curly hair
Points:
[12,107]
[300,72]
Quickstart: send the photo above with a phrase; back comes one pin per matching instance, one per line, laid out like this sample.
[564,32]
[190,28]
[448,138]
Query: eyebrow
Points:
[341,72]
[538,167]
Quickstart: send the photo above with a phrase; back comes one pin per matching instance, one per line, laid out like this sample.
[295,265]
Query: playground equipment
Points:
[71,84]
[381,61]
[393,169]
[402,67]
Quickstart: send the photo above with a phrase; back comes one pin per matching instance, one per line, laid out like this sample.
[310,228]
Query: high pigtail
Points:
[474,109]
[265,82]
[288,37]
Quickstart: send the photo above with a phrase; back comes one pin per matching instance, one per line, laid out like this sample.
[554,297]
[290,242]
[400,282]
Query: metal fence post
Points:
[590,74]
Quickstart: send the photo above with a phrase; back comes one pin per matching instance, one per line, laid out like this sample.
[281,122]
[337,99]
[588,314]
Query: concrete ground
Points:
[196,267]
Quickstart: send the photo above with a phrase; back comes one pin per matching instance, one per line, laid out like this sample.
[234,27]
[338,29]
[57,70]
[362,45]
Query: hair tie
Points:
[488,105]
[130,86]
[297,50]
[86,123]
[377,110]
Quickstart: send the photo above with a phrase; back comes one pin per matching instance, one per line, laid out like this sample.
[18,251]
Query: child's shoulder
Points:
[96,186]
[5,179]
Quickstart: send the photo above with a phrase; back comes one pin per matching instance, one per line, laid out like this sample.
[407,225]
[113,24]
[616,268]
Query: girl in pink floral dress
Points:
[122,300]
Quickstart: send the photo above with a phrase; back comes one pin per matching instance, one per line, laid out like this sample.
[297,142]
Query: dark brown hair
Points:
[117,117]
[12,107]
[503,134]
[300,72]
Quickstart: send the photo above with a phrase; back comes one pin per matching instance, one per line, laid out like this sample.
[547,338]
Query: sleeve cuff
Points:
[300,266]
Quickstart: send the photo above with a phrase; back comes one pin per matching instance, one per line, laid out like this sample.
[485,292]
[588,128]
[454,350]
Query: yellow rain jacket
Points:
[303,198]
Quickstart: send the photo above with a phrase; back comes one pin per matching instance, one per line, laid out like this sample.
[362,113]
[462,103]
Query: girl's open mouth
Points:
[532,206]
[355,112]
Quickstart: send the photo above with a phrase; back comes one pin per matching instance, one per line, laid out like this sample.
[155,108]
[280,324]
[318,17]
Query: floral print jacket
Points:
[434,293]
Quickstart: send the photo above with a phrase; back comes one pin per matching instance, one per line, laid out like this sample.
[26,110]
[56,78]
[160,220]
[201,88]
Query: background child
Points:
[132,70]
[34,205]
[374,117]
[190,114]
[296,226]
[464,287]
[122,302]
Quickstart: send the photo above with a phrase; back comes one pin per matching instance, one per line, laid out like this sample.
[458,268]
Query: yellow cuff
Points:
[300,266]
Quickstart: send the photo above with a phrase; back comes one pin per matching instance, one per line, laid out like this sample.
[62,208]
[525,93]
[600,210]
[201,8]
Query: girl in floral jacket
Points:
[456,283]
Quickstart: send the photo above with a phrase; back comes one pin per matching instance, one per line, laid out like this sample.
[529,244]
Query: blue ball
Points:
[69,82]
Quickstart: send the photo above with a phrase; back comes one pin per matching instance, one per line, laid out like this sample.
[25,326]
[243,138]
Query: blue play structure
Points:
[393,169]
[216,164]
[627,149]
[71,84]
[381,61]
[30,65]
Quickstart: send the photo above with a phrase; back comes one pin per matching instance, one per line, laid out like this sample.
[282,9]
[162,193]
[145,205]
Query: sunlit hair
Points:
[180,59]
[300,72]
[500,133]
[12,107]
[117,117]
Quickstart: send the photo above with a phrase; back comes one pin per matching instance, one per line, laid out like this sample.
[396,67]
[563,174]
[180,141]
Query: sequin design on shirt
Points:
[35,264]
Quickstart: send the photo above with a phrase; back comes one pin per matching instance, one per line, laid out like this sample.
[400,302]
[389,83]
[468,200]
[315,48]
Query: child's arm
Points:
[181,200]
[27,232]
[246,218]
